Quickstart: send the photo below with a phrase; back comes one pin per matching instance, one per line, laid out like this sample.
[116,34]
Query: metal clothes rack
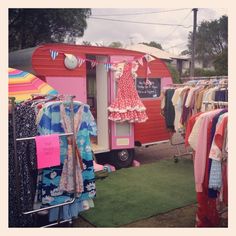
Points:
[177,144]
[59,221]
[204,78]
[215,103]
[220,104]
[179,153]
[210,77]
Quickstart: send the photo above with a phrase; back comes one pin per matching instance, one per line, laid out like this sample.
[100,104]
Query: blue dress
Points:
[50,122]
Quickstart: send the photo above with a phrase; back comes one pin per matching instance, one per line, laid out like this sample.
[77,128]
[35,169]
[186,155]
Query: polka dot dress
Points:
[127,105]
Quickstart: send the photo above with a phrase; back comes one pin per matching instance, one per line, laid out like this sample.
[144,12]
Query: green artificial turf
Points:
[128,195]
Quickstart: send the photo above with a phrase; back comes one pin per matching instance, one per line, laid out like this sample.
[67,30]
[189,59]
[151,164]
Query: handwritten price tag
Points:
[48,151]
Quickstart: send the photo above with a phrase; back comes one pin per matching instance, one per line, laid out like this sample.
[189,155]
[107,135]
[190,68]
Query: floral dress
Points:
[127,105]
[71,178]
[51,122]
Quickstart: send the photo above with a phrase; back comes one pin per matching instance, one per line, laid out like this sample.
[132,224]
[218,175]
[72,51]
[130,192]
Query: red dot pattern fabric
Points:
[127,105]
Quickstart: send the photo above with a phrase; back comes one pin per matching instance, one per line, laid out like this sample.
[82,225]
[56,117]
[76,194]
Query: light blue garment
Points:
[215,180]
[50,123]
[69,211]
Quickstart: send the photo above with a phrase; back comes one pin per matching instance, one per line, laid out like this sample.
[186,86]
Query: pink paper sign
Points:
[48,150]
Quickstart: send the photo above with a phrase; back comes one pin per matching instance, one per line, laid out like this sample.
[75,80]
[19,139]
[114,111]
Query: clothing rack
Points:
[209,77]
[179,154]
[12,103]
[29,138]
[177,145]
[194,83]
[211,182]
[204,78]
[215,104]
[175,85]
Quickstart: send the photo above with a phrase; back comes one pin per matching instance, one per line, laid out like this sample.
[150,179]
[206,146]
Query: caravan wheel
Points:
[123,158]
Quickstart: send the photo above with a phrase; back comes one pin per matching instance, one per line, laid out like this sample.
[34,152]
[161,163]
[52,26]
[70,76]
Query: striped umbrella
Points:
[22,85]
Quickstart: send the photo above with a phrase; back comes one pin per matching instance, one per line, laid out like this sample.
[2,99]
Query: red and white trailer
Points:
[97,87]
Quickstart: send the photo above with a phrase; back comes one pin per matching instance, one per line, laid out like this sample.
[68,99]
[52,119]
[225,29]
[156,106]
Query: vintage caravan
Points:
[85,71]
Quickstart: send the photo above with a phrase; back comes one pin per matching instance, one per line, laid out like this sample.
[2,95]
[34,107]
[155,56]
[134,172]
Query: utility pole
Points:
[193,41]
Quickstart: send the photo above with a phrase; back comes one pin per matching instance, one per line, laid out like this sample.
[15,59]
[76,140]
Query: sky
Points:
[166,29]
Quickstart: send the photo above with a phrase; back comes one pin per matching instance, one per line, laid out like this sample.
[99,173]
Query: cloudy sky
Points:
[168,26]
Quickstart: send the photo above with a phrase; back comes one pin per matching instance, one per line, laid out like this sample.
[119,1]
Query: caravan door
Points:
[122,134]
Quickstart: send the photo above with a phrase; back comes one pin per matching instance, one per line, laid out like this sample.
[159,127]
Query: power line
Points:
[175,30]
[177,27]
[143,13]
[138,22]
[176,45]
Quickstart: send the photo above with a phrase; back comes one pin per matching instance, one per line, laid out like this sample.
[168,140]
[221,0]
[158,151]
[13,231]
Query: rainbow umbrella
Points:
[22,85]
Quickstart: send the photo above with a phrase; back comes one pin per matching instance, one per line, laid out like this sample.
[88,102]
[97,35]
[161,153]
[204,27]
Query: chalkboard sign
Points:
[148,91]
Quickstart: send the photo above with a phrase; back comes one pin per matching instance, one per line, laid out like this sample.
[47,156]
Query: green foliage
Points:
[201,72]
[30,27]
[116,44]
[87,43]
[185,52]
[174,74]
[211,40]
[154,44]
[221,63]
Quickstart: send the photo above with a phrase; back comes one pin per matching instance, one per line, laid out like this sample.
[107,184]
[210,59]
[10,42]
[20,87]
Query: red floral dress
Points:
[127,105]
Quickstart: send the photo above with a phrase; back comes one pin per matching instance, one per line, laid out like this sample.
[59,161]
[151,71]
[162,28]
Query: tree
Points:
[100,44]
[185,52]
[174,74]
[153,44]
[116,44]
[87,43]
[30,27]
[211,40]
[221,63]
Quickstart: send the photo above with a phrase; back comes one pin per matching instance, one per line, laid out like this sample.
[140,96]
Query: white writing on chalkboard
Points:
[148,91]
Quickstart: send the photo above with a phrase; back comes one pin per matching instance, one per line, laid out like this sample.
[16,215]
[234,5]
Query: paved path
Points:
[161,151]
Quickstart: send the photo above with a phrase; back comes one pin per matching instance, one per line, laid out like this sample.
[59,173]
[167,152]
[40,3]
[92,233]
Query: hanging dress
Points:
[71,176]
[127,105]
[22,178]
[51,123]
